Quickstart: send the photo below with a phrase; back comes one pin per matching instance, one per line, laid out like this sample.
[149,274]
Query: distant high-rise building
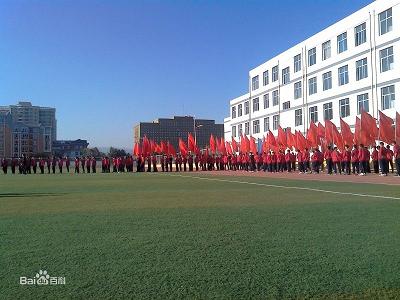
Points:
[172,129]
[27,129]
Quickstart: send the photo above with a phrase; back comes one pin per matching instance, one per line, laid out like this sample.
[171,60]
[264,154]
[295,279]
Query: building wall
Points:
[371,85]
[178,127]
[33,129]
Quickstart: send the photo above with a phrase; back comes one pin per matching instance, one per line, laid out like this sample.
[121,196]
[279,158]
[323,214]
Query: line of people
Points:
[358,160]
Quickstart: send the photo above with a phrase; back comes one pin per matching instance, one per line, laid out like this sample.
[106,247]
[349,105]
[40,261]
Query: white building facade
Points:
[352,65]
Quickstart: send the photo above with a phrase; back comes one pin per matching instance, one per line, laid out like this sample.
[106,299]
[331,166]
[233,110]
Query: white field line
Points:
[286,187]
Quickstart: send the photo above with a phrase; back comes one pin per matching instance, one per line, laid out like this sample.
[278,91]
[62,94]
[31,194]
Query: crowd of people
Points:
[357,160]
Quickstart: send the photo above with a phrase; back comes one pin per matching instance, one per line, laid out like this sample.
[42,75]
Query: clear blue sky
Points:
[106,65]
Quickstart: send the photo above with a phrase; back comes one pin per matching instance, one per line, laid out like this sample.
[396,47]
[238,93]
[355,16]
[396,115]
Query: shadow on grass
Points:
[21,195]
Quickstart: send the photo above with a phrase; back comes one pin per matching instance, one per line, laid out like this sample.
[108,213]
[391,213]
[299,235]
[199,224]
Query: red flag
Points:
[157,148]
[212,144]
[264,145]
[291,139]
[337,138]
[191,143]
[368,129]
[217,144]
[397,127]
[136,149]
[357,139]
[272,141]
[347,135]
[329,131]
[234,145]
[244,144]
[222,148]
[146,146]
[312,135]
[170,149]
[182,147]
[321,131]
[282,138]
[301,142]
[163,147]
[386,129]
[253,146]
[228,148]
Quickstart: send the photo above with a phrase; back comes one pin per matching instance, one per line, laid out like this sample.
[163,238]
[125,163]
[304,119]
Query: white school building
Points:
[352,65]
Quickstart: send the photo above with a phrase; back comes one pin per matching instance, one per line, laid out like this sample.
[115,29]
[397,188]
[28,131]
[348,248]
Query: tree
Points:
[95,152]
[114,152]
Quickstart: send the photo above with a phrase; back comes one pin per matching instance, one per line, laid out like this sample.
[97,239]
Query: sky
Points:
[107,65]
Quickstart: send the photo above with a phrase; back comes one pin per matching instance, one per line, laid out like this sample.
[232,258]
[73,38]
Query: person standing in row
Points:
[67,163]
[77,165]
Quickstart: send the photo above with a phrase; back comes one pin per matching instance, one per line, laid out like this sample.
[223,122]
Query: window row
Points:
[387,101]
[237,131]
[385,23]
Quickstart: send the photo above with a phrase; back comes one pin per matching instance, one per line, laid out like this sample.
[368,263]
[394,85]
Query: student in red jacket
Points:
[315,158]
[300,161]
[396,155]
[375,162]
[328,159]
[347,159]
[288,161]
[306,160]
[336,161]
[354,160]
[362,159]
[389,157]
[382,157]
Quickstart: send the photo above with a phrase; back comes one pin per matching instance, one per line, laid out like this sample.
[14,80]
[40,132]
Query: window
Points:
[275,98]
[246,128]
[312,85]
[234,131]
[297,90]
[313,114]
[386,58]
[285,76]
[344,108]
[275,120]
[312,56]
[286,105]
[265,77]
[275,73]
[240,129]
[326,50]
[362,103]
[266,101]
[327,81]
[385,21]
[361,69]
[256,126]
[297,63]
[240,111]
[387,97]
[246,108]
[256,104]
[342,42]
[233,112]
[254,83]
[360,34]
[328,111]
[266,124]
[298,117]
[343,75]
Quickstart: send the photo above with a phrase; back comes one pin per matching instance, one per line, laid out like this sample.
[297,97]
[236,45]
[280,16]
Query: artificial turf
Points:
[145,236]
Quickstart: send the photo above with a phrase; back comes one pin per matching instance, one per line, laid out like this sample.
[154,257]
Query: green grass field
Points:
[145,236]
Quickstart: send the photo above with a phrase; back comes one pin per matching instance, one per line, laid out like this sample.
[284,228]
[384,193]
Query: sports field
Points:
[145,236]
